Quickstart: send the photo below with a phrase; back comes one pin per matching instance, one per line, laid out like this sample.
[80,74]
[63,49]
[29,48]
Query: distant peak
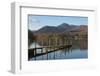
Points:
[64,24]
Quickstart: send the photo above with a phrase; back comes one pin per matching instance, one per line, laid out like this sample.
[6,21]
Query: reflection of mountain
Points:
[62,28]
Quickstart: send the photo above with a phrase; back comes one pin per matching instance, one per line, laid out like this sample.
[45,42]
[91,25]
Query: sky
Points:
[36,22]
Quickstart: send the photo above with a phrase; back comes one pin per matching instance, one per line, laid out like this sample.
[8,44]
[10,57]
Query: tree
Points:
[31,37]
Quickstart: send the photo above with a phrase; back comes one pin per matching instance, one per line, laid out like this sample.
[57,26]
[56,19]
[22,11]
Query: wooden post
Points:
[47,53]
[65,41]
[49,45]
[35,43]
[42,52]
[42,42]
[35,53]
[46,50]
[35,50]
[60,42]
[56,41]
[54,54]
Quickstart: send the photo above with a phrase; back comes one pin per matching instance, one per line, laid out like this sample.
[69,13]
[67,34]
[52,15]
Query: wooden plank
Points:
[40,54]
[50,47]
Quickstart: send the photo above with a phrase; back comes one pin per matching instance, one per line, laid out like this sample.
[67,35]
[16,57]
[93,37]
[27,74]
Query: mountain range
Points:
[62,28]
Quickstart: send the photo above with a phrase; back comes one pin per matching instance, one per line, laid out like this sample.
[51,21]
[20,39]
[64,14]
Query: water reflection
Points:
[78,50]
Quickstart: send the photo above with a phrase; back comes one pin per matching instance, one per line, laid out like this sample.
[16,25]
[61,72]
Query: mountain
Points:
[66,27]
[62,28]
[81,30]
[49,29]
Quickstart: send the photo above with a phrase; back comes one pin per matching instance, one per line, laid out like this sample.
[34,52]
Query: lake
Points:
[78,50]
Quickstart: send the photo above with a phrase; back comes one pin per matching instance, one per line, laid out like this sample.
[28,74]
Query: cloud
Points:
[33,20]
[33,23]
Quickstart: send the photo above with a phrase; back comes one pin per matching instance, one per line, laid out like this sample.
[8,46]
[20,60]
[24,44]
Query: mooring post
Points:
[42,52]
[47,53]
[54,54]
[35,51]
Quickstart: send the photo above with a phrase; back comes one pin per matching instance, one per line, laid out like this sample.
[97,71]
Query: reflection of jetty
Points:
[48,49]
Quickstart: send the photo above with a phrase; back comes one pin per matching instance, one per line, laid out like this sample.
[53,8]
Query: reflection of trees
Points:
[55,39]
[52,39]
[82,44]
[31,37]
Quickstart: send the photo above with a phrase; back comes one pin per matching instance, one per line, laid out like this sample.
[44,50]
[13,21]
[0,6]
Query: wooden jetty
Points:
[48,49]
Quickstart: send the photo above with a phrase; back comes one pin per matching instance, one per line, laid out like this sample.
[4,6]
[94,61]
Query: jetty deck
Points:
[48,49]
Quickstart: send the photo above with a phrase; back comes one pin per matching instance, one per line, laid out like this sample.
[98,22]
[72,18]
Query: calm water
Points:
[77,51]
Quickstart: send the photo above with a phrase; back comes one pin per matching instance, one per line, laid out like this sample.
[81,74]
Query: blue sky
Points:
[36,22]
